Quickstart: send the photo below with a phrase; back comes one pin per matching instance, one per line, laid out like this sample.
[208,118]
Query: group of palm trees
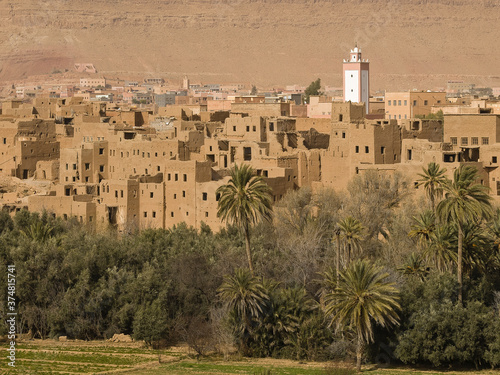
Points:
[465,206]
[360,292]
[360,295]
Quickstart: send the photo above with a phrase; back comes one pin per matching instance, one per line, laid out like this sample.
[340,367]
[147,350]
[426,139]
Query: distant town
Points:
[151,154]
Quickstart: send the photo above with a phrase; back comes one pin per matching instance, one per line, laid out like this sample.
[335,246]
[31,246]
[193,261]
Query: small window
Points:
[271,126]
[485,140]
[464,141]
[67,166]
[382,150]
[116,193]
[145,214]
[87,166]
[205,196]
[74,167]
[101,168]
[101,151]
[343,134]
[5,141]
[454,141]
[474,141]
[254,128]
[394,103]
[494,159]
[151,195]
[176,177]
[248,128]
[399,102]
[426,102]
[367,149]
[169,177]
[406,102]
[121,193]
[185,177]
[154,213]
[217,197]
[357,149]
[184,194]
[234,128]
[414,103]
[206,213]
[172,214]
[388,102]
[247,153]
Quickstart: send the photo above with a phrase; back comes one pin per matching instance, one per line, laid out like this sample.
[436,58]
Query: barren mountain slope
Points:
[410,43]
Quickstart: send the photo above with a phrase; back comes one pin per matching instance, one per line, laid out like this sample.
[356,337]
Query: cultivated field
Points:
[100,357]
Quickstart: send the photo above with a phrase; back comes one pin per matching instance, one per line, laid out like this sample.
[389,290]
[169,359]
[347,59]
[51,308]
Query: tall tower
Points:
[185,83]
[357,79]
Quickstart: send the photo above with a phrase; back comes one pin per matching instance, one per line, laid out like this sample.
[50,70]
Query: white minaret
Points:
[357,79]
[185,83]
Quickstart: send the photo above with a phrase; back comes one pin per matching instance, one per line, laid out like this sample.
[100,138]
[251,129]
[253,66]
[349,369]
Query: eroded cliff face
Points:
[410,43]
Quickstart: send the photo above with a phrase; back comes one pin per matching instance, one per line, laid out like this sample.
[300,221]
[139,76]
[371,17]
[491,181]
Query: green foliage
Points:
[162,285]
[446,333]
[465,202]
[363,296]
[244,201]
[433,179]
[6,222]
[312,89]
[492,353]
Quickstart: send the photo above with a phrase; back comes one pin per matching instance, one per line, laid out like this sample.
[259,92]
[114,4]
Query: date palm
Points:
[465,201]
[245,297]
[423,227]
[362,297]
[351,231]
[441,249]
[415,267]
[244,201]
[433,180]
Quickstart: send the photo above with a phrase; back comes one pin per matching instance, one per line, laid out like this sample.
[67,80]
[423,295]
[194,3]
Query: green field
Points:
[100,357]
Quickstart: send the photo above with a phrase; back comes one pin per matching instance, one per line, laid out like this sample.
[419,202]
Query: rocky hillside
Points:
[410,43]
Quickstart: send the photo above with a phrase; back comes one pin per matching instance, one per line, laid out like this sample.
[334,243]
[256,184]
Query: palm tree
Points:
[246,297]
[464,201]
[337,232]
[414,266]
[351,231]
[433,180]
[441,249]
[423,227]
[362,297]
[477,250]
[245,200]
[38,232]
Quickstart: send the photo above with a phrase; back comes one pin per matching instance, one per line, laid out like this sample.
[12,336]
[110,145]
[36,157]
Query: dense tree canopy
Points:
[183,284]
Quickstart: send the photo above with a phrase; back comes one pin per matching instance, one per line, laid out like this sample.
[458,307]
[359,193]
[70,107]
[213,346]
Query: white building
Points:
[357,79]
